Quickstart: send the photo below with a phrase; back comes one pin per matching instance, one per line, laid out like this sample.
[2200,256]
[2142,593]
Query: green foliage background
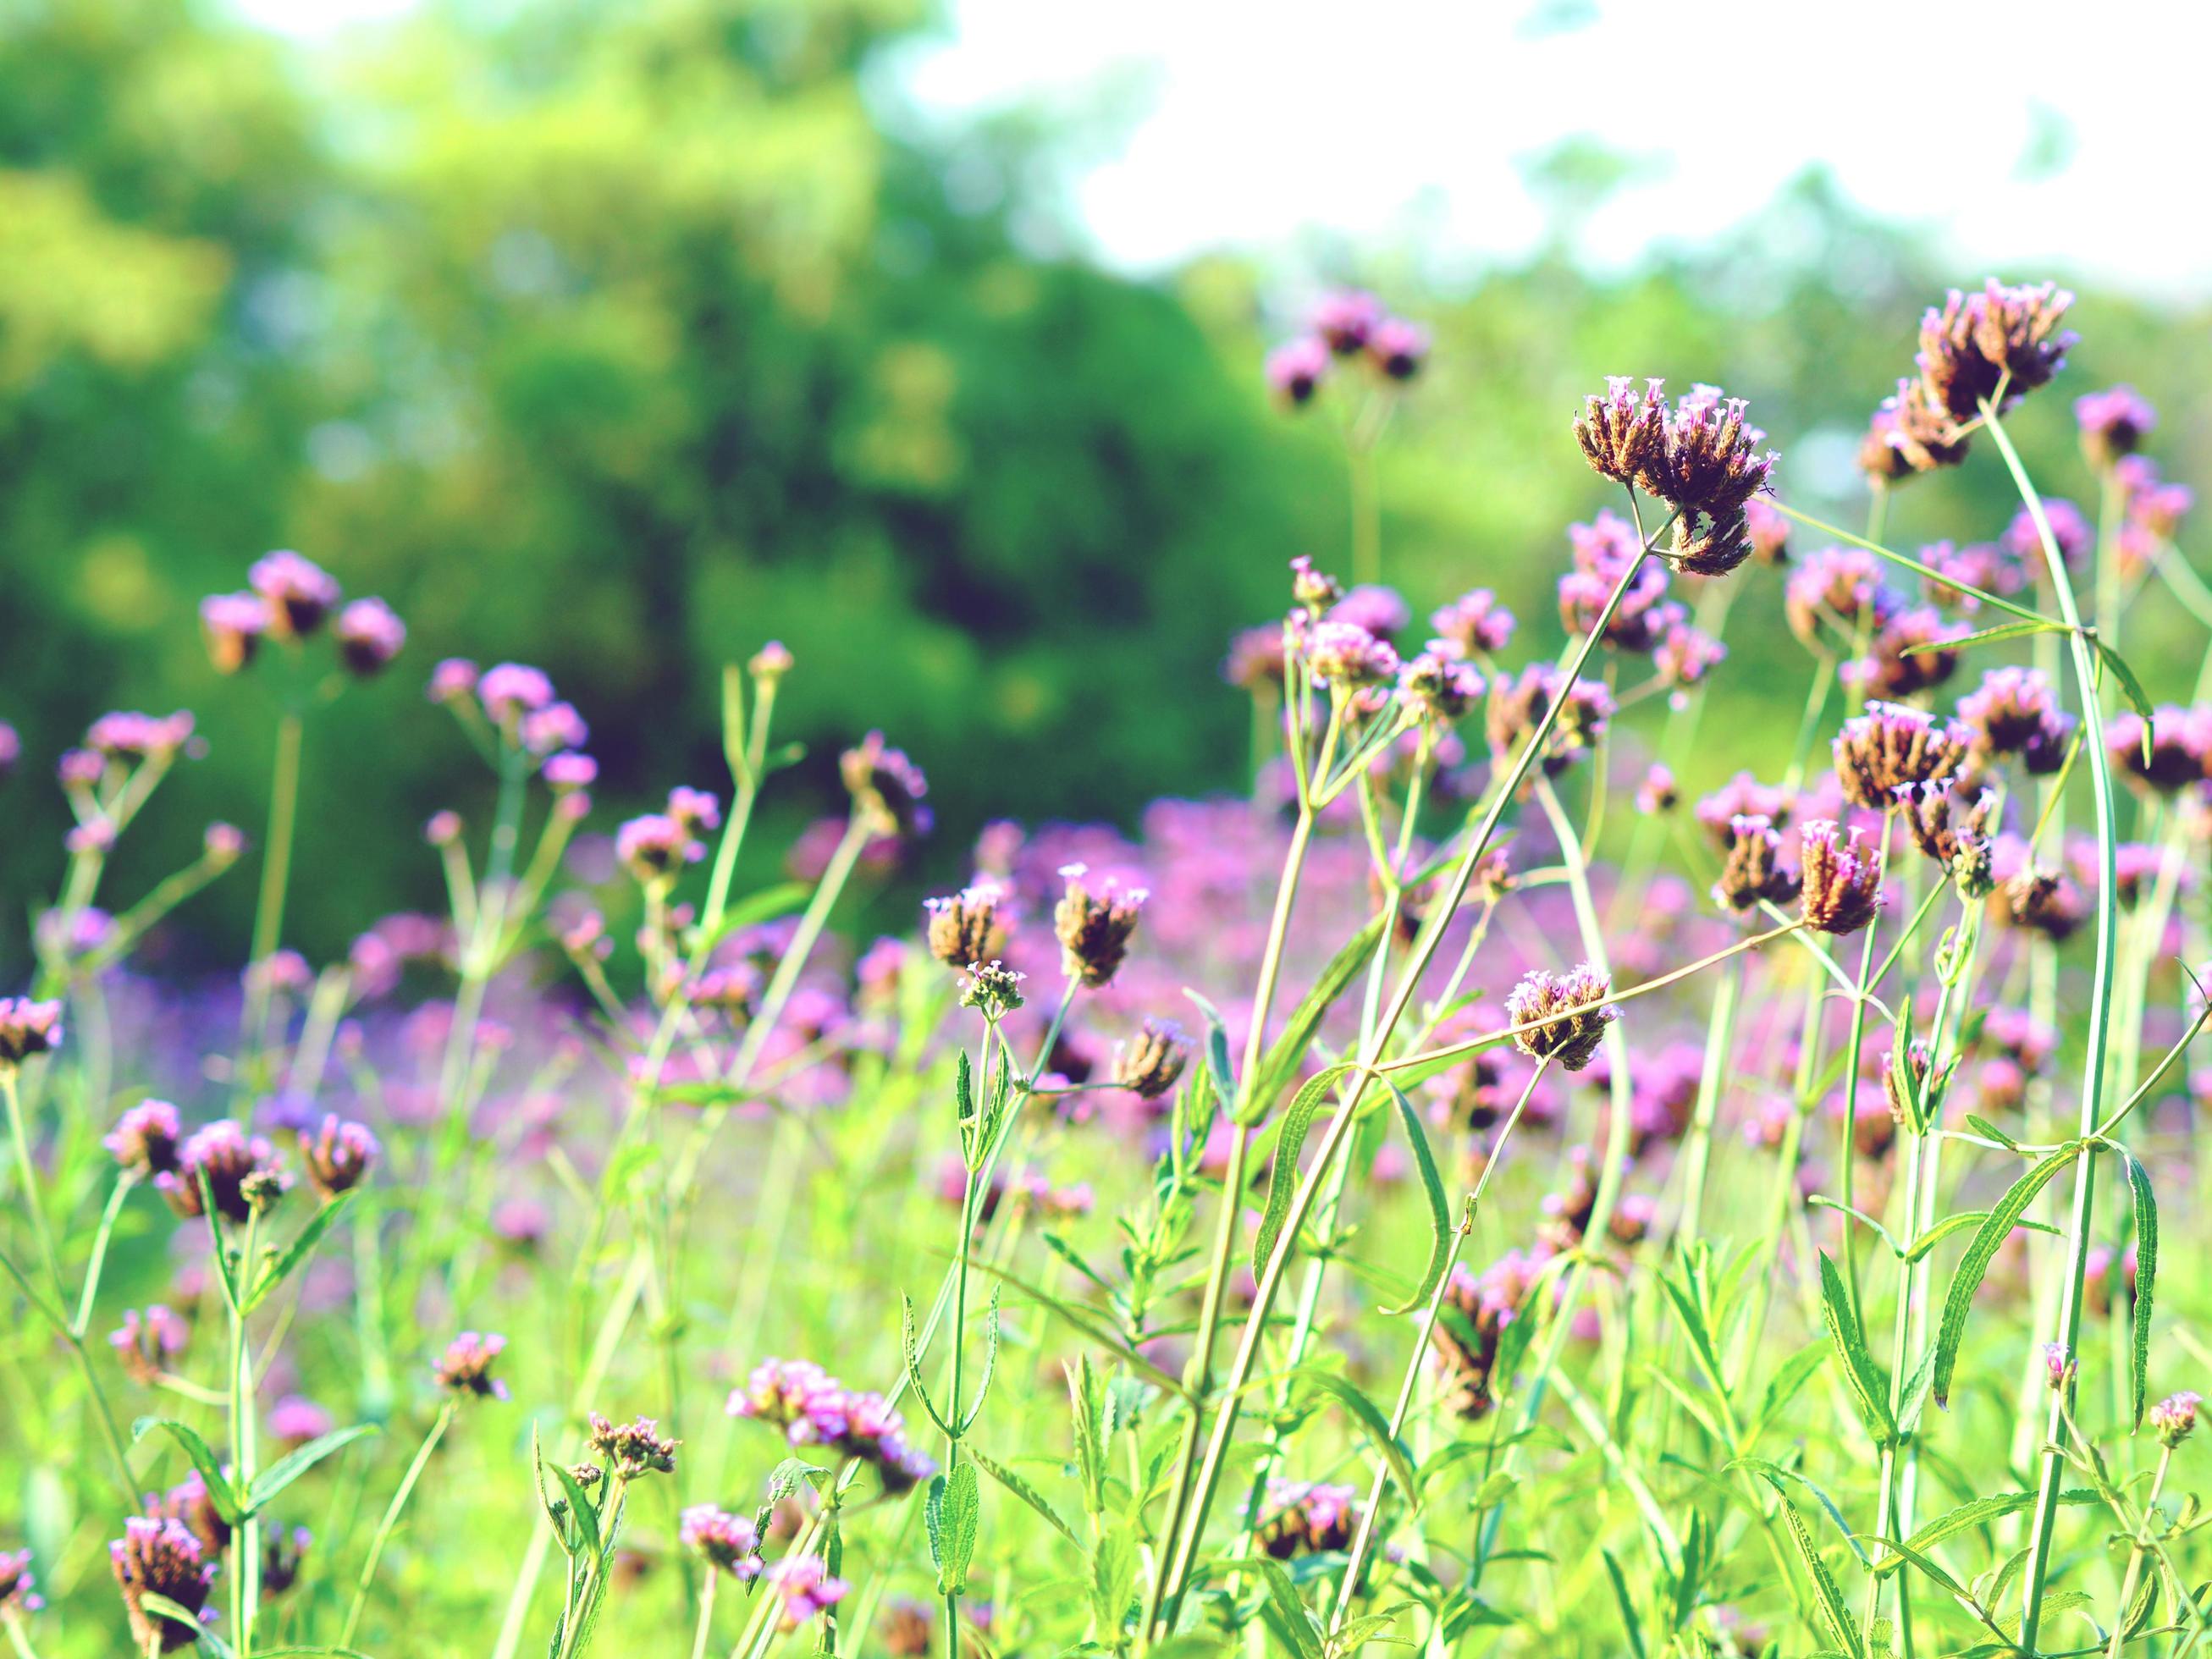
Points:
[619,339]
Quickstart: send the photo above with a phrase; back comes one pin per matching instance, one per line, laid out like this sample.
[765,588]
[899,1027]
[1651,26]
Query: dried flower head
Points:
[1150,1063]
[1914,651]
[1398,348]
[145,1343]
[1754,873]
[465,1368]
[1959,838]
[2179,746]
[967,927]
[1556,1007]
[1438,687]
[1890,745]
[1302,1517]
[2004,341]
[2036,900]
[1094,928]
[1842,883]
[339,1155]
[283,1553]
[163,1559]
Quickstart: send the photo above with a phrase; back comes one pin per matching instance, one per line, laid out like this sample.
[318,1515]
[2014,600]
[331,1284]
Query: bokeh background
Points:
[619,338]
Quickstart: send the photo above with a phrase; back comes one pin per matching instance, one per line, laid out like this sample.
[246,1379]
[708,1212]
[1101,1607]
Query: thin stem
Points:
[275,879]
[391,1522]
[2138,1553]
[2049,1487]
[705,1630]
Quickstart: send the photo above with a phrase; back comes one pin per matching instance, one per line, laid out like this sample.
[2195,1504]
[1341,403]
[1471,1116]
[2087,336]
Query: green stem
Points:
[2048,1491]
[245,1544]
[391,1522]
[275,879]
[705,1630]
[2139,1554]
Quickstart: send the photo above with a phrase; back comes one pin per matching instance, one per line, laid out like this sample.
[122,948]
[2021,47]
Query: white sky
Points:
[2020,132]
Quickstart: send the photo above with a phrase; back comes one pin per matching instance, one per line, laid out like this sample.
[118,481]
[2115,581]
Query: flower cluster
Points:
[1348,323]
[1699,454]
[288,598]
[813,1408]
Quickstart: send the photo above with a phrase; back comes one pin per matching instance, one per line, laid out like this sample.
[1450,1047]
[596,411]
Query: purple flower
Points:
[145,1139]
[570,770]
[656,848]
[1842,883]
[1892,745]
[1475,623]
[145,1343]
[805,1588]
[633,1448]
[727,1542]
[556,726]
[162,1558]
[298,591]
[2014,711]
[296,1420]
[1345,319]
[130,736]
[1439,687]
[452,679]
[2180,746]
[509,692]
[1383,611]
[1094,928]
[886,786]
[2175,1416]
[232,625]
[369,634]
[27,1028]
[465,1369]
[339,1155]
[240,1170]
[2114,422]
[2069,528]
[1398,347]
[2002,339]
[1556,1007]
[19,1590]
[1297,370]
[1301,1517]
[1347,654]
[694,809]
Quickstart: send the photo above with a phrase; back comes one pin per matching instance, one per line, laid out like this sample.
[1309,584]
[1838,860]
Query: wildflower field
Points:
[1466,1194]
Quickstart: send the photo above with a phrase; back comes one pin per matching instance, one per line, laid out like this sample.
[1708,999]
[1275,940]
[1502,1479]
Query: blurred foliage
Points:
[621,339]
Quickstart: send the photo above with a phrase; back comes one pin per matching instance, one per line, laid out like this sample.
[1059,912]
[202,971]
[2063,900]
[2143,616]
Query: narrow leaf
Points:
[1282,1174]
[1432,1187]
[1862,1378]
[289,1468]
[579,1506]
[2146,1279]
[203,1459]
[1027,1493]
[1825,1591]
[2131,689]
[1370,1418]
[1992,1235]
[1288,1052]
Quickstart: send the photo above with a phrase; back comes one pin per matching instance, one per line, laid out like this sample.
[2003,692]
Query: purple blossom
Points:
[804,1585]
[1296,370]
[162,1558]
[298,591]
[231,625]
[145,1139]
[369,634]
[729,1543]
[465,1368]
[27,1028]
[507,691]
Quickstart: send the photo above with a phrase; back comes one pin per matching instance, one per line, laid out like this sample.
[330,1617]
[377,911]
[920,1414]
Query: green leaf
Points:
[1216,1046]
[785,1479]
[952,1511]
[2131,689]
[1862,1378]
[1826,1592]
[1284,1614]
[1028,1494]
[1283,1173]
[162,1606]
[766,905]
[1432,1187]
[1905,1555]
[1288,1052]
[1630,1622]
[1114,1567]
[1370,1419]
[1943,1229]
[580,1507]
[289,1468]
[2146,1278]
[911,1348]
[1789,1379]
[1979,1513]
[188,1440]
[1089,1444]
[1992,1236]
[1986,636]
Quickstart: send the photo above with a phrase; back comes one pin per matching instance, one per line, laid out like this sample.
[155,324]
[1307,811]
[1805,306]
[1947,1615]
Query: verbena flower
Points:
[1095,927]
[2070,529]
[2004,338]
[1344,320]
[1301,1517]
[728,1543]
[992,988]
[19,1587]
[1958,838]
[1563,1027]
[296,1420]
[813,1408]
[2174,1418]
[1467,1349]
[1913,653]
[146,1138]
[231,626]
[162,1558]
[507,691]
[1753,873]
[1839,591]
[2033,899]
[2014,711]
[1297,369]
[369,634]
[656,848]
[1398,347]
[1658,792]
[1438,687]
[283,1553]
[1890,745]
[465,1368]
[1342,653]
[805,1587]
[298,592]
[886,786]
[1841,889]
[2180,746]
[1150,1063]
[339,1155]
[239,1169]
[2059,1367]
[1767,529]
[633,1448]
[146,1343]
[1475,623]
[967,927]
[1383,611]
[1699,455]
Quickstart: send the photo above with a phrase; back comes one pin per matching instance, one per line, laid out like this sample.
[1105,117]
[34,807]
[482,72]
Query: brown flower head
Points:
[1564,1026]
[1842,888]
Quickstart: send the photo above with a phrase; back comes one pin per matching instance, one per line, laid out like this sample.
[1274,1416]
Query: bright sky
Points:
[2020,132]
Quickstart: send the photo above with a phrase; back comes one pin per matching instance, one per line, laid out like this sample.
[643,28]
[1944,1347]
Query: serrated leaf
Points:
[1113,1583]
[952,1511]
[289,1468]
[581,1510]
[1629,1621]
[2131,689]
[1986,636]
[1432,1188]
[1992,1236]
[1292,1624]
[1789,1377]
[2146,1204]
[1862,1378]
[1826,1594]
[1090,1445]
[1027,1493]
[1283,1173]
[1288,1052]
[203,1459]
[1978,1512]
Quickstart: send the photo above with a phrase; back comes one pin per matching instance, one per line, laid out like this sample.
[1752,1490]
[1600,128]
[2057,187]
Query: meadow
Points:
[1345,1215]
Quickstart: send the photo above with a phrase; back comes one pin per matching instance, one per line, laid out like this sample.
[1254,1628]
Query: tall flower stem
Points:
[2138,1553]
[1184,1548]
[391,1522]
[1854,1066]
[705,1630]
[245,1542]
[1379,1489]
[2085,665]
[275,881]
